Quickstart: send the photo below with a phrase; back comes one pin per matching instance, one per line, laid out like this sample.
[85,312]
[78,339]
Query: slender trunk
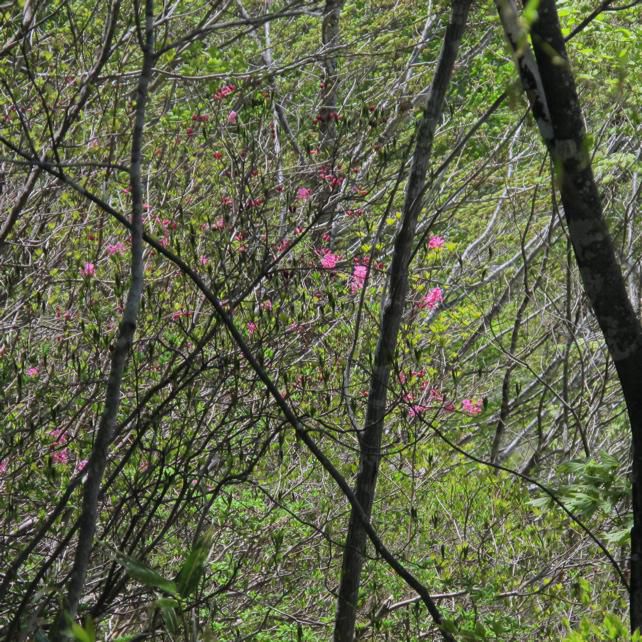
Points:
[99,453]
[593,248]
[328,115]
[370,438]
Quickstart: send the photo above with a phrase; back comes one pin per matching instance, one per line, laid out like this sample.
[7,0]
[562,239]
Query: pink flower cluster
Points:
[329,260]
[200,118]
[432,299]
[180,314]
[334,180]
[33,372]
[472,407]
[224,92]
[303,193]
[330,116]
[358,278]
[88,270]
[436,242]
[60,452]
[115,248]
[81,464]
[415,410]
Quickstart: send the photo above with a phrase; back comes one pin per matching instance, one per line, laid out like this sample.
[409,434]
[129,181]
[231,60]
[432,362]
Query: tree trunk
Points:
[98,458]
[370,438]
[592,245]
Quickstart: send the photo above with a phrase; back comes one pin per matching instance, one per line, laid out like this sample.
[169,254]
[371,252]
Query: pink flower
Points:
[232,117]
[218,155]
[303,193]
[60,456]
[81,464]
[415,410]
[358,278]
[88,270]
[203,260]
[224,92]
[59,435]
[436,242]
[328,259]
[219,223]
[471,407]
[4,464]
[266,305]
[115,248]
[179,314]
[449,406]
[435,395]
[251,327]
[33,372]
[432,299]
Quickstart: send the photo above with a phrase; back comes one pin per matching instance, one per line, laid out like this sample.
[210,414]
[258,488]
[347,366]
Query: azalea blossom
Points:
[232,117]
[329,260]
[251,327]
[436,242]
[60,456]
[81,464]
[203,260]
[88,270]
[59,435]
[472,407]
[449,406]
[33,372]
[4,465]
[435,395]
[358,278]
[415,410]
[303,193]
[179,314]
[266,305]
[115,248]
[224,92]
[432,299]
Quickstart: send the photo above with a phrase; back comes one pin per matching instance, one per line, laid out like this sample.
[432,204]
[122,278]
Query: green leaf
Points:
[145,575]
[192,569]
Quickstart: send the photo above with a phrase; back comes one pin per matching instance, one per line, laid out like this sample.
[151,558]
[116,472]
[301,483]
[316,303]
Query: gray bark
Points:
[397,290]
[98,458]
[593,248]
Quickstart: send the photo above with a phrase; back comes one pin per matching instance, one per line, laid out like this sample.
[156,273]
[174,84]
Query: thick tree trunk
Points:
[370,438]
[592,245]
